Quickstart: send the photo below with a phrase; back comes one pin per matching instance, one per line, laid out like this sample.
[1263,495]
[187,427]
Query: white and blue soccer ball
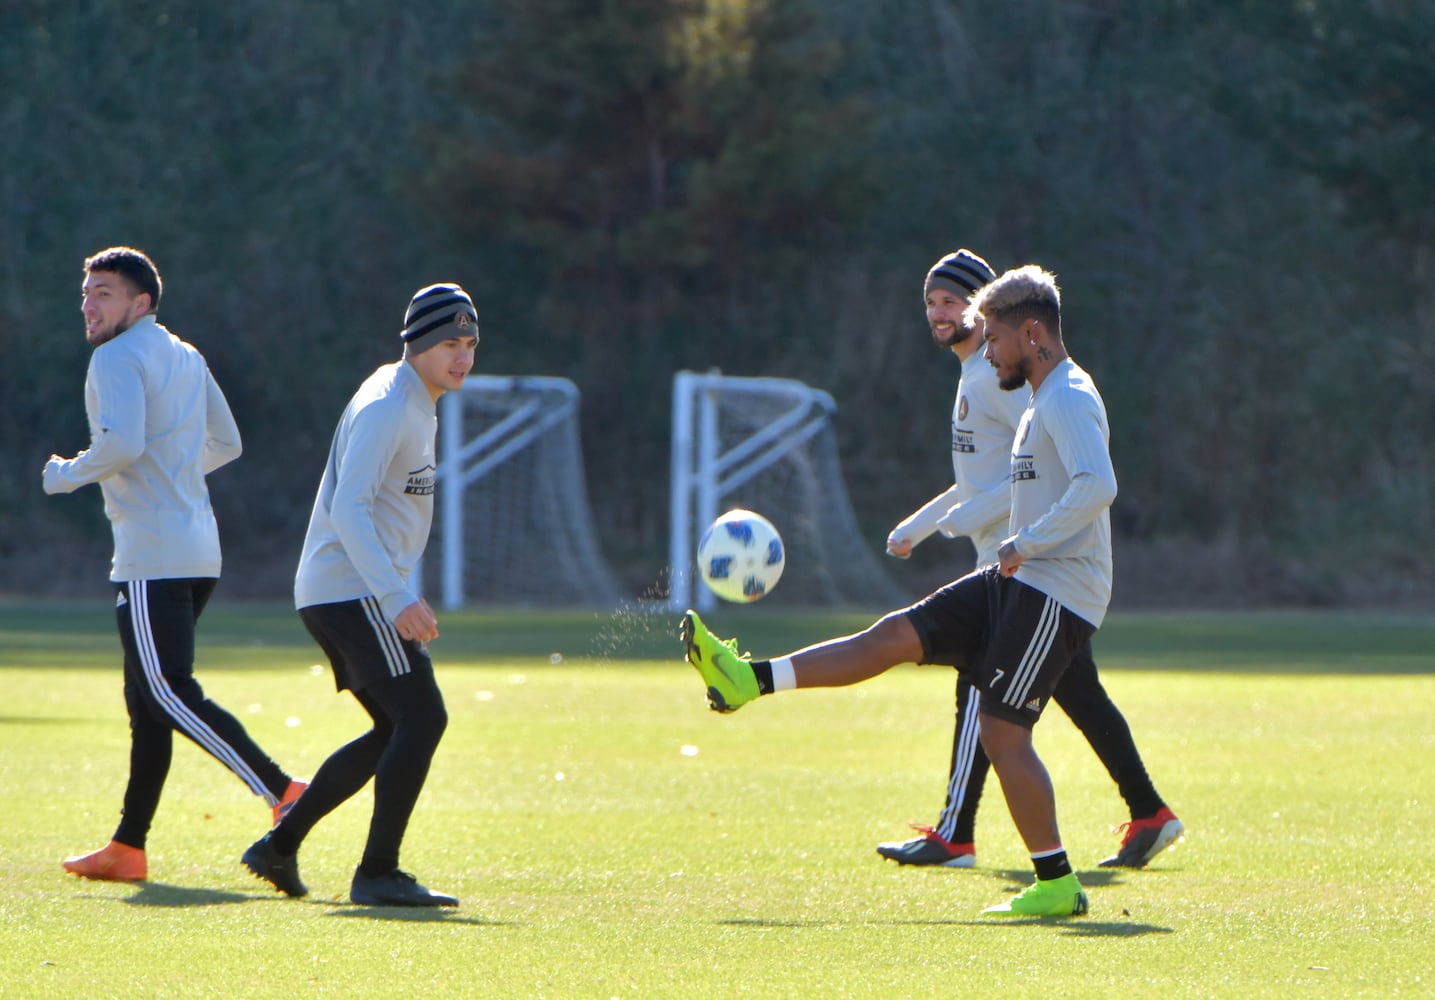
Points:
[741,556]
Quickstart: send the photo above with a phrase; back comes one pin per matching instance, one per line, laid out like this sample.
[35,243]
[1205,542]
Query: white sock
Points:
[783,676]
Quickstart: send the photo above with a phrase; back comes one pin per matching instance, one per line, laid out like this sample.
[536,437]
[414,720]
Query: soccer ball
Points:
[741,556]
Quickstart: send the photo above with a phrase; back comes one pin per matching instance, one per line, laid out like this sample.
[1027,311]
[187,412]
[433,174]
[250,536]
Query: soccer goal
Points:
[768,444]
[514,525]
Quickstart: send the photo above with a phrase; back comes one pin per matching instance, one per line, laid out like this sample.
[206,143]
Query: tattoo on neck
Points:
[1043,352]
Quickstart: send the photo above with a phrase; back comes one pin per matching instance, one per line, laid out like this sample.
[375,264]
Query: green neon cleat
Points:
[729,678]
[1057,897]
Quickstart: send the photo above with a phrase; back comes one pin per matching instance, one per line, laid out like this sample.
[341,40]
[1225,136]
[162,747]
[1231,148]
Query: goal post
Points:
[514,524]
[767,444]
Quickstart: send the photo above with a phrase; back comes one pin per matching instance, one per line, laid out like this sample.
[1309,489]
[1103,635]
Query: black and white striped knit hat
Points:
[962,273]
[434,309]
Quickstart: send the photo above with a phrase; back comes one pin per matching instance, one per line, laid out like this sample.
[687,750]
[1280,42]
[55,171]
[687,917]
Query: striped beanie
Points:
[962,272]
[434,309]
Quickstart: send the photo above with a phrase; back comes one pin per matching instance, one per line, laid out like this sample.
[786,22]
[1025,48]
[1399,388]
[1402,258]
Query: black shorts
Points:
[363,646]
[1014,640]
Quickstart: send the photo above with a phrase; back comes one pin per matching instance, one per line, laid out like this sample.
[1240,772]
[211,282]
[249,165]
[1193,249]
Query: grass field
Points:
[609,837]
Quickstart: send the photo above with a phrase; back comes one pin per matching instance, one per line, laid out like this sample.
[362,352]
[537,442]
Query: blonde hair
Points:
[1019,294]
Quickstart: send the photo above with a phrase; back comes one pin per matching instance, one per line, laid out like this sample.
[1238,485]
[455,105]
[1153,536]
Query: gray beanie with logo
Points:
[443,309]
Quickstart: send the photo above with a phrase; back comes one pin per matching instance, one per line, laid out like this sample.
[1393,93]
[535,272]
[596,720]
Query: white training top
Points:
[984,422]
[372,515]
[158,424]
[1062,485]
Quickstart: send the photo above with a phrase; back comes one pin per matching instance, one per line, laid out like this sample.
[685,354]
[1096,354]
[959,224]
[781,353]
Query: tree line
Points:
[1234,198]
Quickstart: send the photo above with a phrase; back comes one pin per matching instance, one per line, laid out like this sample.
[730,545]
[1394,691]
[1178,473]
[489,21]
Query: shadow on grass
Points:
[1071,926]
[1017,879]
[161,895]
[157,894]
[414,915]
[1020,878]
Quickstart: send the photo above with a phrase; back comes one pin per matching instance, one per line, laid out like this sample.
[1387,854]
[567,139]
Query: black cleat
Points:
[397,888]
[280,872]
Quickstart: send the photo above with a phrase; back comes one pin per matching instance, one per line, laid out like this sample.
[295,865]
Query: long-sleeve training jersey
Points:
[984,422]
[1062,485]
[372,516]
[158,425]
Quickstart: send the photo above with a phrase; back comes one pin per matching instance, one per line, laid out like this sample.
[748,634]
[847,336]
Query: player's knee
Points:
[425,721]
[893,639]
[1002,738]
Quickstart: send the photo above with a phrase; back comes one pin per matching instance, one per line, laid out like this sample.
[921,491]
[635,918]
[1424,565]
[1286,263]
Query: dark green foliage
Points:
[1235,198]
[660,167]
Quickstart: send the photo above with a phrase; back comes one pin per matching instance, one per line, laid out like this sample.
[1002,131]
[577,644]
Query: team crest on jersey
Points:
[421,481]
[962,407]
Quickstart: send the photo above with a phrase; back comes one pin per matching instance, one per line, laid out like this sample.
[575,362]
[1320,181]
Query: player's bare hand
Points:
[417,622]
[1009,559]
[899,547]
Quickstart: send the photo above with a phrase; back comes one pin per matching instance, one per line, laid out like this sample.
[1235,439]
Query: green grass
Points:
[595,858]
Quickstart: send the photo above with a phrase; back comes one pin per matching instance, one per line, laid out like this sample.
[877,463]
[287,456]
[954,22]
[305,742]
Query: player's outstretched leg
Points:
[1146,838]
[728,675]
[1056,897]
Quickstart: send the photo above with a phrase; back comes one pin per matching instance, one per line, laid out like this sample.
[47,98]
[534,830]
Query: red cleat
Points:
[1143,839]
[291,795]
[115,862]
[929,849]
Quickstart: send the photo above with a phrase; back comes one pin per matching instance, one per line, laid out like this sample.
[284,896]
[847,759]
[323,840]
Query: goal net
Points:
[513,524]
[768,445]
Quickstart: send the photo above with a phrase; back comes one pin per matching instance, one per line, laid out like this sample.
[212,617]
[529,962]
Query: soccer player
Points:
[1018,623]
[978,505]
[354,593]
[158,425]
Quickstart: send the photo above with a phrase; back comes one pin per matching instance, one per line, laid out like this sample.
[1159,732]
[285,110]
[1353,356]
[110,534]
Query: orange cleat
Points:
[291,795]
[115,862]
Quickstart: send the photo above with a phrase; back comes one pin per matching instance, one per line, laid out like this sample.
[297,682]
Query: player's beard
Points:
[960,332]
[105,336]
[1017,378]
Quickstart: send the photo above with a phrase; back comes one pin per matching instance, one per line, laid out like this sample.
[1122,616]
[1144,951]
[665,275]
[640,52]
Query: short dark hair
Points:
[132,265]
